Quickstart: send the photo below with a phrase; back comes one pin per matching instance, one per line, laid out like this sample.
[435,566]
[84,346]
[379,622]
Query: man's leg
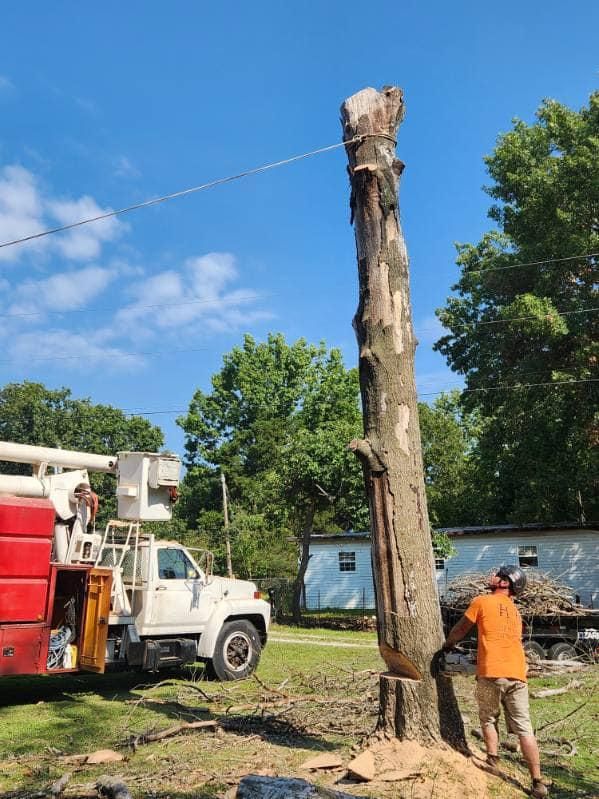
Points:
[488,698]
[515,703]
[530,752]
[491,739]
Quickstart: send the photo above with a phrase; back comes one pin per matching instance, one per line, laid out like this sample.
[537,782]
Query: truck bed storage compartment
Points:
[22,599]
[79,607]
[65,615]
[26,516]
[26,529]
[23,648]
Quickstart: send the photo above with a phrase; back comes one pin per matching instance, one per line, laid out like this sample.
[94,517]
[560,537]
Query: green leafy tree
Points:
[277,421]
[512,329]
[449,436]
[30,413]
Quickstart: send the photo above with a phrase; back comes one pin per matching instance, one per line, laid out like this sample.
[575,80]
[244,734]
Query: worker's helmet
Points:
[515,576]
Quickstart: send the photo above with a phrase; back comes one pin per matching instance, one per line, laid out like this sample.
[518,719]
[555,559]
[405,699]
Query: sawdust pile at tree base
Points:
[453,775]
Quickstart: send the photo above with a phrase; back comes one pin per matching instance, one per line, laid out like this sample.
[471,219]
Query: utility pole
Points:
[416,702]
[226,518]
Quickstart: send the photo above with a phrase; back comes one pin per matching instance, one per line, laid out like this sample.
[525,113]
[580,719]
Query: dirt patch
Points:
[439,772]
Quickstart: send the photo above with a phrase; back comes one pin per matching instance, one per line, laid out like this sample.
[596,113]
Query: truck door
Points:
[95,630]
[180,602]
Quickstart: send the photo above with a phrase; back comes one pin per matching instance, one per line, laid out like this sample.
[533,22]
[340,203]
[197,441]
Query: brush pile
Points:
[544,595]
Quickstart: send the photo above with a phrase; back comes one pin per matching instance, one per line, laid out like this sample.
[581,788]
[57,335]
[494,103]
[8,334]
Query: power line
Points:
[217,301]
[525,318]
[509,387]
[532,263]
[117,354]
[517,386]
[192,190]
[243,298]
[153,353]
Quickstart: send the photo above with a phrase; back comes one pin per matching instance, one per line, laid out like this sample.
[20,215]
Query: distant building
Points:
[339,572]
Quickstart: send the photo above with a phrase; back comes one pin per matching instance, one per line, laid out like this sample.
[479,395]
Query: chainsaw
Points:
[458,661]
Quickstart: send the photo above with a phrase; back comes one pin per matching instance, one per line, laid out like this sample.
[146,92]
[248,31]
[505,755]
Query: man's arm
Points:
[457,632]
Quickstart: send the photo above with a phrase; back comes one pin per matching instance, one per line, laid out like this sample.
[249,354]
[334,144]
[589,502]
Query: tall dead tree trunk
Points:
[415,702]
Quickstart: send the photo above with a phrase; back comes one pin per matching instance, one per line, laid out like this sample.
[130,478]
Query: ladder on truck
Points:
[119,539]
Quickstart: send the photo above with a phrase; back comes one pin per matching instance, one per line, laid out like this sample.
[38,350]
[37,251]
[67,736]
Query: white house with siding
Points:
[339,571]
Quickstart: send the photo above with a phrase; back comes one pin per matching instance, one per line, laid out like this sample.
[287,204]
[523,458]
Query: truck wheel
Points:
[533,651]
[562,651]
[236,653]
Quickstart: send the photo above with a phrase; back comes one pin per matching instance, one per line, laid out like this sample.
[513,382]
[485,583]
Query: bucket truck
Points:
[75,599]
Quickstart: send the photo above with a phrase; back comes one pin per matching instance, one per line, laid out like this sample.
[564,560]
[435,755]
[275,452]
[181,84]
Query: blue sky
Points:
[108,104]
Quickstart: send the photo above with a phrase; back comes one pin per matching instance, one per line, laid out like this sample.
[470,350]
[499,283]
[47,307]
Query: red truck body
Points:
[33,590]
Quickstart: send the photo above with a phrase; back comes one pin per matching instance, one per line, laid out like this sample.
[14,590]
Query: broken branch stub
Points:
[414,703]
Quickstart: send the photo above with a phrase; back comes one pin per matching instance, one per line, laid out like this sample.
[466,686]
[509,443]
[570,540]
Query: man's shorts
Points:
[492,692]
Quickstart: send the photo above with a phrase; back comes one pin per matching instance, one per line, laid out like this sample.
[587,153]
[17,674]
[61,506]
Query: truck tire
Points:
[562,651]
[236,653]
[533,651]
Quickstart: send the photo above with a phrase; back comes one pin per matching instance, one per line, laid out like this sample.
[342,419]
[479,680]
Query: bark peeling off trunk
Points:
[410,630]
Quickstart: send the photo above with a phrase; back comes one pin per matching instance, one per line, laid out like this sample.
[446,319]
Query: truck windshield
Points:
[173,564]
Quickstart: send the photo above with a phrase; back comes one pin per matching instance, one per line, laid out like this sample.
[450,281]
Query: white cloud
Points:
[20,209]
[85,242]
[194,299]
[26,210]
[63,291]
[68,350]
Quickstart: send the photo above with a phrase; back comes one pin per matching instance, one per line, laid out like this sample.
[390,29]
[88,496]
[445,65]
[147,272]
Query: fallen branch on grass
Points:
[544,692]
[149,737]
[556,666]
[266,687]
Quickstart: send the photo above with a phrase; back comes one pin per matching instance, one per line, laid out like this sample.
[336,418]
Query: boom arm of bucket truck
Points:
[146,487]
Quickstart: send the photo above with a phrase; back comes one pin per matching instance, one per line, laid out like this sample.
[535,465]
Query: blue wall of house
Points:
[571,556]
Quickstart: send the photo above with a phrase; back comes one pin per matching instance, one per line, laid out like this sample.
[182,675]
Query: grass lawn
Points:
[45,718]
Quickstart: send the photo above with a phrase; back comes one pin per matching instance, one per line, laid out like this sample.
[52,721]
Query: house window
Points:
[528,556]
[347,561]
[439,560]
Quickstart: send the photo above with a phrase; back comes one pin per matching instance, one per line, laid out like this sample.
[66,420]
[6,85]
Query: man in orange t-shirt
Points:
[501,668]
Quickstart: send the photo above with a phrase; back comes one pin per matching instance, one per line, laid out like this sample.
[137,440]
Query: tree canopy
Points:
[277,422]
[524,325]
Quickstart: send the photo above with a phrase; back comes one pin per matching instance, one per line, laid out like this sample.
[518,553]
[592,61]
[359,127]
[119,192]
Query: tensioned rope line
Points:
[511,387]
[193,189]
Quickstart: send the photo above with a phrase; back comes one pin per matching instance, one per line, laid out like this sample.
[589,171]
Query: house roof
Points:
[488,529]
[350,535]
[517,528]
